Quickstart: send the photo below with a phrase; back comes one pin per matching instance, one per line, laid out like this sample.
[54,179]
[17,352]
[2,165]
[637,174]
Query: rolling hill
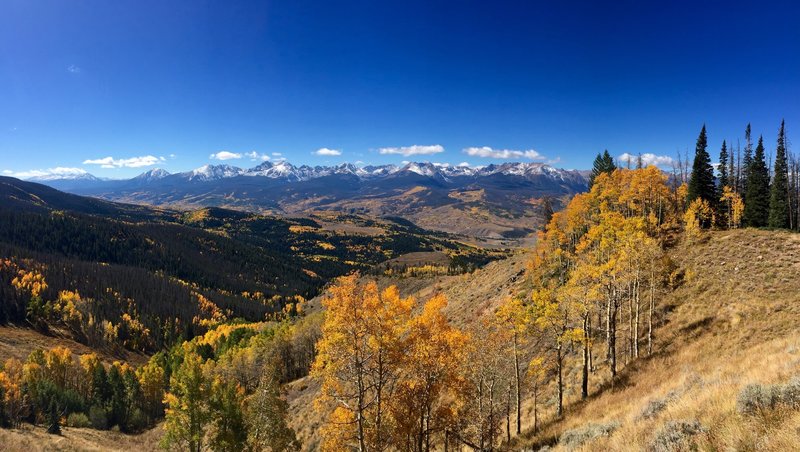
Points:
[176,271]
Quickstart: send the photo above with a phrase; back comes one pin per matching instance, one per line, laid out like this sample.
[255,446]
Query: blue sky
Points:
[115,88]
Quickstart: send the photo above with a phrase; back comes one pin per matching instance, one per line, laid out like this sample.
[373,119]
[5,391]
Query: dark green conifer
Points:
[603,163]
[756,206]
[723,167]
[779,193]
[701,183]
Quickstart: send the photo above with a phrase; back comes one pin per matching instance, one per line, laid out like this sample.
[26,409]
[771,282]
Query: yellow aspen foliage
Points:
[358,359]
[428,396]
[11,384]
[732,207]
[87,364]
[151,381]
[594,261]
[187,413]
[66,306]
[31,281]
[211,315]
[697,217]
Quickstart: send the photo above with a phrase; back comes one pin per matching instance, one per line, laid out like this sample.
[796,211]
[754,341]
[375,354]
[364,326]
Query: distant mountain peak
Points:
[72,175]
[153,174]
[214,172]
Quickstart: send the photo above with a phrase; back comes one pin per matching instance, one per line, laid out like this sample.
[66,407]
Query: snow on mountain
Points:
[287,171]
[214,172]
[423,169]
[153,174]
[284,170]
[67,175]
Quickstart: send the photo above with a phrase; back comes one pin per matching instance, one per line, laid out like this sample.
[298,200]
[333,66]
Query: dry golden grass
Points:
[734,321]
[20,342]
[31,439]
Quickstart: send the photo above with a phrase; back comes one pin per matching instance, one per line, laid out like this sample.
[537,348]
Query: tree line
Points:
[768,190]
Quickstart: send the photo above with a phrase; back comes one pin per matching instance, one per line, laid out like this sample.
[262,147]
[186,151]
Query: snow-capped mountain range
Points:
[289,172]
[439,196]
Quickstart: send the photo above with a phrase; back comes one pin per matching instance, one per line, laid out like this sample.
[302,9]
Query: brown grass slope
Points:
[33,439]
[734,321]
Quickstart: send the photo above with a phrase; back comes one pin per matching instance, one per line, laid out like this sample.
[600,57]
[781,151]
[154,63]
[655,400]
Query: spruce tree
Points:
[733,180]
[779,194]
[603,163]
[724,176]
[747,160]
[701,183]
[756,206]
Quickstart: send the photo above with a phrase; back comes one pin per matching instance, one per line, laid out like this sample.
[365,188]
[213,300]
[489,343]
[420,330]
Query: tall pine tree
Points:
[779,194]
[756,206]
[747,160]
[701,183]
[724,176]
[603,163]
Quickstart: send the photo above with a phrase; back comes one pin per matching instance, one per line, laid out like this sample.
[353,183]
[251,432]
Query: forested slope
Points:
[116,274]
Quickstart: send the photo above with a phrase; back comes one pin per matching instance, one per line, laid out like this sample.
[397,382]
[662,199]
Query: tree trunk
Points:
[362,446]
[508,415]
[559,364]
[650,314]
[535,408]
[631,291]
[612,335]
[585,370]
[518,389]
[636,321]
[608,327]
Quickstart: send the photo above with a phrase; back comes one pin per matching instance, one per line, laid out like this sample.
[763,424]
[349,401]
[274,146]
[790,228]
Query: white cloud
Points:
[328,152]
[57,171]
[463,164]
[276,154]
[647,159]
[133,162]
[225,155]
[172,156]
[408,151]
[487,152]
[256,156]
[73,69]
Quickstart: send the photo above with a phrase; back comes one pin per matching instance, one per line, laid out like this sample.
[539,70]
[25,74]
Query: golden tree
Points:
[358,361]
[427,400]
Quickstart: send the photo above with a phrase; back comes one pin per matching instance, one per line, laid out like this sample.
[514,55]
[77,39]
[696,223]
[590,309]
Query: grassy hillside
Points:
[28,438]
[733,321]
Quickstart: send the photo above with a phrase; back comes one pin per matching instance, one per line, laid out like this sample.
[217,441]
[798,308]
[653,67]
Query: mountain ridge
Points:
[496,202]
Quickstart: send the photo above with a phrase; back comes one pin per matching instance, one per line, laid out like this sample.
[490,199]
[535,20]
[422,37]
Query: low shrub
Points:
[653,408]
[574,438]
[98,417]
[756,398]
[78,420]
[676,436]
